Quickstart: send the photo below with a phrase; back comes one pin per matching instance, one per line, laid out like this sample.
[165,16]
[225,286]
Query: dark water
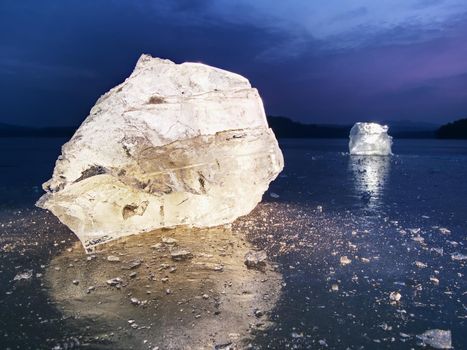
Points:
[344,232]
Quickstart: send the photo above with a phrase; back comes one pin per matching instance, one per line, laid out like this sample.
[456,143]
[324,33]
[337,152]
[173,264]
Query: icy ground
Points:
[363,252]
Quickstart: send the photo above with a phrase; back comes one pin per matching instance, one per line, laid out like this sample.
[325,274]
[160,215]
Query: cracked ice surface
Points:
[174,144]
[370,139]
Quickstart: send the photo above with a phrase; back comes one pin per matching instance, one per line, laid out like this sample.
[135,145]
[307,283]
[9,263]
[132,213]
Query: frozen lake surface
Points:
[364,253]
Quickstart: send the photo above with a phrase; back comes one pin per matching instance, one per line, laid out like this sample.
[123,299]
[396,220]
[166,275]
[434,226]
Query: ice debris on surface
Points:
[383,260]
[420,265]
[444,230]
[370,139]
[395,296]
[173,145]
[344,260]
[25,275]
[458,256]
[192,308]
[255,260]
[437,338]
[181,254]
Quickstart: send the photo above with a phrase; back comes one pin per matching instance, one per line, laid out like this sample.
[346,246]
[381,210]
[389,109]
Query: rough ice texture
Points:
[437,338]
[175,144]
[370,139]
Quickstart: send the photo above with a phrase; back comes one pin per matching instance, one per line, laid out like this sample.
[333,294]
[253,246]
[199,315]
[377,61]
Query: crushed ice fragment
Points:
[169,240]
[25,275]
[444,230]
[385,327]
[135,301]
[72,343]
[181,254]
[458,256]
[414,230]
[420,264]
[132,265]
[296,335]
[258,313]
[437,338]
[440,251]
[255,260]
[322,342]
[114,281]
[395,296]
[344,260]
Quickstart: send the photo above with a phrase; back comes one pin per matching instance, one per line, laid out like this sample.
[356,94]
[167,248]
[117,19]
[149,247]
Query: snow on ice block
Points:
[370,139]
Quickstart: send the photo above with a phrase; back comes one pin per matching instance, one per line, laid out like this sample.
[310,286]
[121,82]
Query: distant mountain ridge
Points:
[283,128]
[454,130]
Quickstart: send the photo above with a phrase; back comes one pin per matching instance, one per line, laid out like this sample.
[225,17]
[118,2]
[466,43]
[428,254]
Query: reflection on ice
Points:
[370,175]
[172,289]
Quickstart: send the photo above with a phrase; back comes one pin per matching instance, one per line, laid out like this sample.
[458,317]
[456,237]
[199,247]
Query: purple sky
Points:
[328,61]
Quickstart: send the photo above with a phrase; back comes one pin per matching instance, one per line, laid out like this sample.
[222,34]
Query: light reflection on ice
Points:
[176,289]
[370,174]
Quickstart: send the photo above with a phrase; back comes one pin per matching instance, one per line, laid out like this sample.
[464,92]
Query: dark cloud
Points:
[56,59]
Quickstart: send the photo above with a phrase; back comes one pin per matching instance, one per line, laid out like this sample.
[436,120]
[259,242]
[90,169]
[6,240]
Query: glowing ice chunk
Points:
[173,145]
[370,139]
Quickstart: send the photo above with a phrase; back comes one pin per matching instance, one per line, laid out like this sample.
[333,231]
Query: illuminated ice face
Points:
[370,139]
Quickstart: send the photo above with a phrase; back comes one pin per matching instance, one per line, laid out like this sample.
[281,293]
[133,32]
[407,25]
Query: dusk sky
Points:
[327,61]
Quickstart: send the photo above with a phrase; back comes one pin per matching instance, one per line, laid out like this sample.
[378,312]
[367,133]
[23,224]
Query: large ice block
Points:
[175,144]
[370,139]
